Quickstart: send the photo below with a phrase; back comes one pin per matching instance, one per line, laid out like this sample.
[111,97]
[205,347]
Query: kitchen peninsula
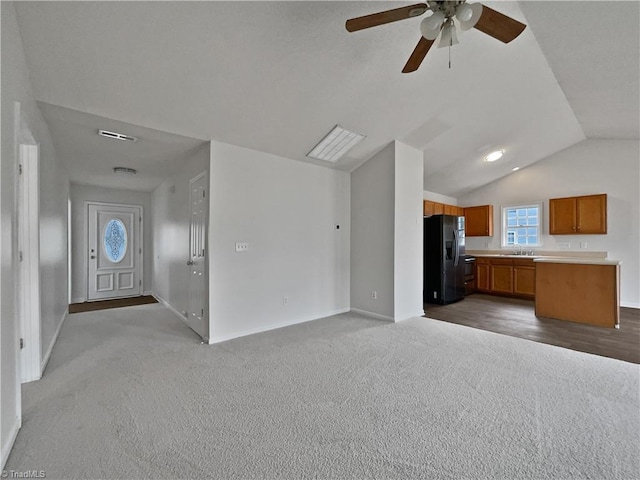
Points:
[574,286]
[580,290]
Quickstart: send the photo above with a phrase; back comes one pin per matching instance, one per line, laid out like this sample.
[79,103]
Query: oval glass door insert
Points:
[115,240]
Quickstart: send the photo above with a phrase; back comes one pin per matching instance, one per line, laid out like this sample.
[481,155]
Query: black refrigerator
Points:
[443,259]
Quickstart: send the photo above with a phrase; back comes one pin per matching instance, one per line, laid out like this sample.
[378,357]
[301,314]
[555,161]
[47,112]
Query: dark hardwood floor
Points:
[515,317]
[115,303]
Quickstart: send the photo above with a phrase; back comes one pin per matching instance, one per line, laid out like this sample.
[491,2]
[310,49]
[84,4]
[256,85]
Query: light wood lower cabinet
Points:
[501,276]
[506,276]
[483,275]
[580,293]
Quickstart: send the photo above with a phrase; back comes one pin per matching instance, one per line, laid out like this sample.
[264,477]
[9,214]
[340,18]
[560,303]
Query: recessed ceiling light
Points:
[117,136]
[337,142]
[493,156]
[515,169]
[124,170]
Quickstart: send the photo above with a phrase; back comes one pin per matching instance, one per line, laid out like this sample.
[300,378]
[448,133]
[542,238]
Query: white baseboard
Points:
[288,323]
[47,355]
[377,316]
[419,314]
[78,300]
[8,445]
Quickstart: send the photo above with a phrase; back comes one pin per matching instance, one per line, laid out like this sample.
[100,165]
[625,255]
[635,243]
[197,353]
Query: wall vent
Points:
[117,136]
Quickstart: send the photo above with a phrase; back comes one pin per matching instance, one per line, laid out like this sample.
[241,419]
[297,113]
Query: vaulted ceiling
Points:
[277,76]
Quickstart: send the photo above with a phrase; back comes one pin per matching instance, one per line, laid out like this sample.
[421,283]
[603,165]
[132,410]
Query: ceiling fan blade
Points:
[416,58]
[499,25]
[388,16]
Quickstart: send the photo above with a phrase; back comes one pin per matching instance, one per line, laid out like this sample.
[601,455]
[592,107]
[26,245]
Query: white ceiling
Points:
[90,158]
[277,76]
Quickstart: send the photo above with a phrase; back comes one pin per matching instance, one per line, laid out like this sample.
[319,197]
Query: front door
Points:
[197,307]
[114,256]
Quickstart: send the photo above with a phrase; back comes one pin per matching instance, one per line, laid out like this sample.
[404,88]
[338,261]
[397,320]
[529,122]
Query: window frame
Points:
[506,230]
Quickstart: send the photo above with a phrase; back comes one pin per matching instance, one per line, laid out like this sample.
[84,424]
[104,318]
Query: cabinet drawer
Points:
[501,261]
[482,261]
[523,262]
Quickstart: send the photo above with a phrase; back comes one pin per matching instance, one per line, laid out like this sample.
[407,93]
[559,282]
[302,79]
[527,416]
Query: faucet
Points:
[515,252]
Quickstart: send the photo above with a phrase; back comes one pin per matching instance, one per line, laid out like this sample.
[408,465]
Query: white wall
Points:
[372,234]
[171,212]
[386,233]
[436,197]
[589,167]
[83,193]
[287,211]
[53,228]
[408,247]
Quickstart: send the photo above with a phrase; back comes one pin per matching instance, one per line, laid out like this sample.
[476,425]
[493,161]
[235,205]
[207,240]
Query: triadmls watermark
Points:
[24,474]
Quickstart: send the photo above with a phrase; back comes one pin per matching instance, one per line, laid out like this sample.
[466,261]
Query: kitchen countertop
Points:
[583,261]
[578,257]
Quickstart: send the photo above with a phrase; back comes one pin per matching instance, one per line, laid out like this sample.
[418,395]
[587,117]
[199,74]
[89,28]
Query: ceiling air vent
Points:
[117,136]
[125,170]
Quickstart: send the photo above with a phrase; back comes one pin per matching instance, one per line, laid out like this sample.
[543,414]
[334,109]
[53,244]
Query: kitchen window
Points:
[521,225]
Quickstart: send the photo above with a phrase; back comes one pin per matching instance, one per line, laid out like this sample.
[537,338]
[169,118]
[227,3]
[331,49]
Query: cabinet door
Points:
[438,208]
[591,214]
[482,276]
[427,208]
[479,221]
[448,209]
[501,278]
[562,216]
[459,211]
[524,280]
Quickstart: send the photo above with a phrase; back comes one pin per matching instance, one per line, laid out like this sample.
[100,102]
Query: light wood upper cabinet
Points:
[434,208]
[578,215]
[478,221]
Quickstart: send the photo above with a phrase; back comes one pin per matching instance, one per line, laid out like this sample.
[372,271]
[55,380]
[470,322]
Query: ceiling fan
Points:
[446,14]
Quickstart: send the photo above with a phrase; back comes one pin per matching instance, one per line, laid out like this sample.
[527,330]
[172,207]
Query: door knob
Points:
[189,262]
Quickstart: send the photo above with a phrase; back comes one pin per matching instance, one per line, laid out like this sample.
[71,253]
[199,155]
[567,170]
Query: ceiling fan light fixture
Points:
[430,26]
[493,156]
[449,36]
[468,15]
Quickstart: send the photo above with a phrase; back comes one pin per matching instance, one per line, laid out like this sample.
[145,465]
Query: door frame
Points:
[86,239]
[28,284]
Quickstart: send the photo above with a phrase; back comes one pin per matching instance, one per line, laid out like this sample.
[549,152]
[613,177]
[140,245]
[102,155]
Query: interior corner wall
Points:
[170,231]
[84,193]
[437,197]
[372,234]
[54,192]
[589,167]
[288,212]
[408,232]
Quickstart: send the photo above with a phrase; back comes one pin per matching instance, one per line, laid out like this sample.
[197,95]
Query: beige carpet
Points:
[130,393]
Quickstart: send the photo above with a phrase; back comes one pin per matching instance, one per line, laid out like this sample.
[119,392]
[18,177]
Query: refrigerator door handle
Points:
[457,250]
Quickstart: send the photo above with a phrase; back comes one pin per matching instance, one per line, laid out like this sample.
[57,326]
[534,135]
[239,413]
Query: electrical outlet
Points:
[242,246]
[374,295]
[285,300]
[583,244]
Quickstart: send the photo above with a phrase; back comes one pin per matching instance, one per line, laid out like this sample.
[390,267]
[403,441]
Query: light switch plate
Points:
[242,246]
